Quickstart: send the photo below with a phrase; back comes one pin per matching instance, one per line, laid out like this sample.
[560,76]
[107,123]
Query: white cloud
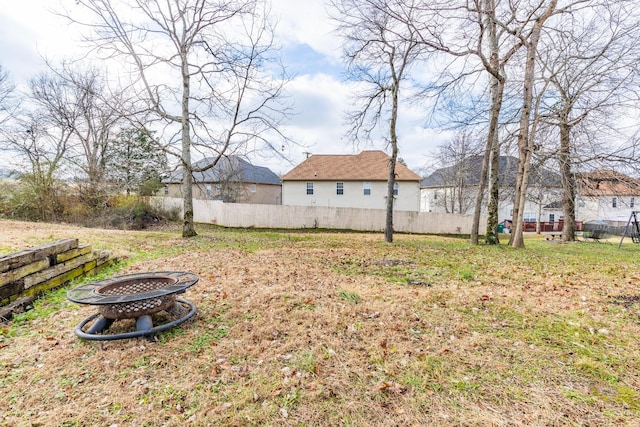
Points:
[321,101]
[306,22]
[29,32]
[318,98]
[316,126]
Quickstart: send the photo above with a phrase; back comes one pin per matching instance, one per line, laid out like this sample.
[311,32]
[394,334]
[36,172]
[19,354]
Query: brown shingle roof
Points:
[607,183]
[366,166]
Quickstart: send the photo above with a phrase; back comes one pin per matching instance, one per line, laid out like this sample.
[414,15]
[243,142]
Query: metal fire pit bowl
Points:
[134,296]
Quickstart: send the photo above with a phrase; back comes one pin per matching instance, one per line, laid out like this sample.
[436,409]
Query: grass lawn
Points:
[340,329]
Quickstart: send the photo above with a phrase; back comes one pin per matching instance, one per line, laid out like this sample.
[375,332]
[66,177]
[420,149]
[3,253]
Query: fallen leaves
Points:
[295,353]
[392,387]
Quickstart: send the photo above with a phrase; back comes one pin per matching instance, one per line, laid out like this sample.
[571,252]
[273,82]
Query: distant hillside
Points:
[6,173]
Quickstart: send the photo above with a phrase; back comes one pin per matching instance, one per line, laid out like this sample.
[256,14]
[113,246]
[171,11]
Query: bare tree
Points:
[76,99]
[500,29]
[229,177]
[458,173]
[204,69]
[480,37]
[7,101]
[495,26]
[39,145]
[530,39]
[379,51]
[589,67]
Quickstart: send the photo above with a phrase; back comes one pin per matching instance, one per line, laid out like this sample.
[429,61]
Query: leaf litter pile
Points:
[340,329]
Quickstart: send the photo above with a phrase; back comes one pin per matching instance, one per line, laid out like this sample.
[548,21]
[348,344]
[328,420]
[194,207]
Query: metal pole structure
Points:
[635,220]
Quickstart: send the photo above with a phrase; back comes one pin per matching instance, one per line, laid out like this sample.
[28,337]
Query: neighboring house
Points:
[453,190]
[606,195]
[350,181]
[232,179]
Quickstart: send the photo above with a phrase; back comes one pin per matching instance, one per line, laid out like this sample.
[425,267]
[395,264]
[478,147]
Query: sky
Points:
[310,50]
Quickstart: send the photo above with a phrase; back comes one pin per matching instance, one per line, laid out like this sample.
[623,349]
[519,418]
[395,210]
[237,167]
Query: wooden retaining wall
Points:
[26,274]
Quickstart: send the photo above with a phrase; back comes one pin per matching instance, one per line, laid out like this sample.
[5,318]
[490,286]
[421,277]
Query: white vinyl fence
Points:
[300,217]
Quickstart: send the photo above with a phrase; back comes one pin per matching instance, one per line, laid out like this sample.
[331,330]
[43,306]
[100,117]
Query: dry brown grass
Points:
[341,329]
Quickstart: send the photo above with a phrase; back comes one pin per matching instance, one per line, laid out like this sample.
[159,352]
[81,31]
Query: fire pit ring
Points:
[134,296]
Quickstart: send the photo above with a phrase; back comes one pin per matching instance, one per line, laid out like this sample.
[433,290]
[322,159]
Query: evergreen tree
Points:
[135,163]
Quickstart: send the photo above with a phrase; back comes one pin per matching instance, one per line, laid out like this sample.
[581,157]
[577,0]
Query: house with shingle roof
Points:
[232,179]
[350,181]
[454,189]
[606,195]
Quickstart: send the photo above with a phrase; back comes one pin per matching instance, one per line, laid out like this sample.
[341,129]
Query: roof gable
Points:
[607,183]
[229,168]
[469,170]
[366,166]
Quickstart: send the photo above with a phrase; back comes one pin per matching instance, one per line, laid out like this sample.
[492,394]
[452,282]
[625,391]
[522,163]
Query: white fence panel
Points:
[279,216]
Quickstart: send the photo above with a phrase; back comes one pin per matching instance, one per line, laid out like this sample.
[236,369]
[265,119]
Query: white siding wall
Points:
[587,208]
[294,193]
[434,200]
[591,208]
[264,193]
[505,208]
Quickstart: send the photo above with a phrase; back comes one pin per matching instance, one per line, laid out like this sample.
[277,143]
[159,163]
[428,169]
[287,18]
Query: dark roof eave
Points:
[316,179]
[218,182]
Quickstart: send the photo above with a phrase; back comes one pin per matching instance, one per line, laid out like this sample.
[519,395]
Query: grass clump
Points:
[350,297]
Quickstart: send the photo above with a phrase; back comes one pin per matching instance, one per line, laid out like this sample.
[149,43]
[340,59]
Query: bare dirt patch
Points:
[327,329]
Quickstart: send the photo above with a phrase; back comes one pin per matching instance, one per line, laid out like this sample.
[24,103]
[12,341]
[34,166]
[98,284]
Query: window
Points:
[552,218]
[614,202]
[632,202]
[366,188]
[166,190]
[395,188]
[309,188]
[339,188]
[207,189]
[218,187]
[252,188]
[529,217]
[435,195]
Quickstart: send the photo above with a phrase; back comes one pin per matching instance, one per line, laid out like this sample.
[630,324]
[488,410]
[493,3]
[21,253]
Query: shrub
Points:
[75,211]
[150,187]
[130,212]
[19,201]
[5,189]
[22,202]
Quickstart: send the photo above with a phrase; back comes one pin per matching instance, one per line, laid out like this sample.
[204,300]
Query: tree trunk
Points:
[568,185]
[538,216]
[188,228]
[388,229]
[460,195]
[524,140]
[475,226]
[521,195]
[491,236]
[496,92]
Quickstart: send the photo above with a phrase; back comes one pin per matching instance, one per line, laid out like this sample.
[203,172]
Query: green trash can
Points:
[500,228]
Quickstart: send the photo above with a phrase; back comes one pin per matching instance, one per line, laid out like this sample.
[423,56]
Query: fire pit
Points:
[134,296]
